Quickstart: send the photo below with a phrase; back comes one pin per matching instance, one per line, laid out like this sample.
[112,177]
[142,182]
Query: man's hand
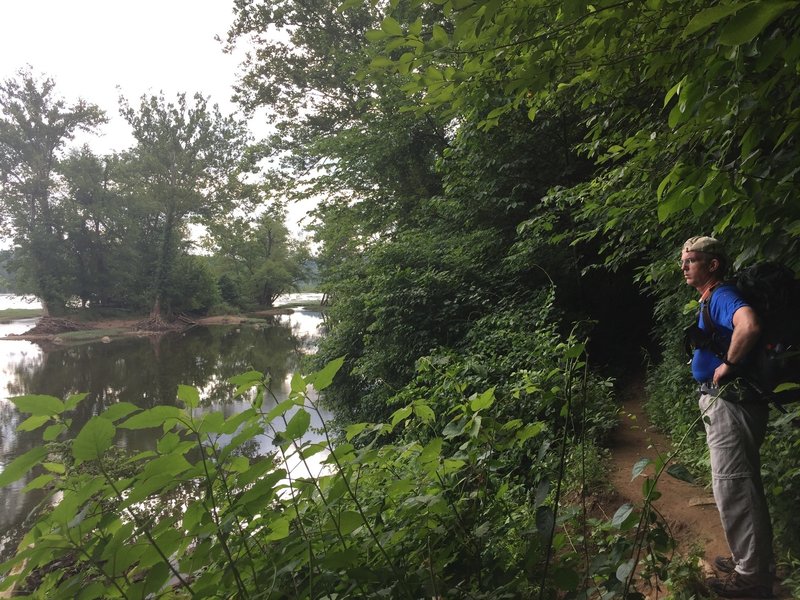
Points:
[723,374]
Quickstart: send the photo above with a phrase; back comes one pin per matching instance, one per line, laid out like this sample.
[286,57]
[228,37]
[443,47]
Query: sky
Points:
[100,49]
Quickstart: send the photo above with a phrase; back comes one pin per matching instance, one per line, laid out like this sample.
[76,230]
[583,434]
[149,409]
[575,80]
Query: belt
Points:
[736,391]
[709,387]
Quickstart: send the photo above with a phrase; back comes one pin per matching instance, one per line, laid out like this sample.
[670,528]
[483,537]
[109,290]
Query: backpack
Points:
[773,368]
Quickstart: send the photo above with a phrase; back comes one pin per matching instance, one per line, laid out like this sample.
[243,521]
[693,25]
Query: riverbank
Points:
[77,330]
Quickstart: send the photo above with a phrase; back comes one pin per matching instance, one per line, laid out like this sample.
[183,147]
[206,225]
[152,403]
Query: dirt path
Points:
[688,509]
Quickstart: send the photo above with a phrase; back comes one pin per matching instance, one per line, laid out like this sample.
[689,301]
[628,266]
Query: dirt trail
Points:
[688,509]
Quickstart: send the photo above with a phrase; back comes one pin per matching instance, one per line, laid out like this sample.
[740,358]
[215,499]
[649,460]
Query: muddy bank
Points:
[64,330]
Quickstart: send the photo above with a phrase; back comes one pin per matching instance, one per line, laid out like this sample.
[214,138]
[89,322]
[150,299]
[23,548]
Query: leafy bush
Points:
[391,513]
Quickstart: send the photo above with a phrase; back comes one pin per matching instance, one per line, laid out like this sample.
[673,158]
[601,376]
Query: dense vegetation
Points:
[114,231]
[503,189]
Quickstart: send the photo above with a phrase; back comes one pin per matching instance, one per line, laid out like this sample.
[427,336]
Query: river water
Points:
[144,371]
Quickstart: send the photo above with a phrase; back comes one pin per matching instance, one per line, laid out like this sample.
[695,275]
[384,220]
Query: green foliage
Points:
[35,125]
[428,502]
[193,287]
[256,261]
[781,474]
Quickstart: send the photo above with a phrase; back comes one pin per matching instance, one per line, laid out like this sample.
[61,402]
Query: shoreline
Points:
[106,330]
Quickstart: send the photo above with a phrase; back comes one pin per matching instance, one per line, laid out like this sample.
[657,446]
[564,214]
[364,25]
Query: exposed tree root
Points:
[158,324]
[55,325]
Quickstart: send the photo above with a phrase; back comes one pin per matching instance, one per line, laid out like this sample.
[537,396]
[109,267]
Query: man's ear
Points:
[713,264]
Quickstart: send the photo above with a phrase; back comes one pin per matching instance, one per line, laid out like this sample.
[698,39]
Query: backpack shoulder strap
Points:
[705,310]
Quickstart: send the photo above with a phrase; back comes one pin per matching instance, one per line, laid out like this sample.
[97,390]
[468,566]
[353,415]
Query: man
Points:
[735,423]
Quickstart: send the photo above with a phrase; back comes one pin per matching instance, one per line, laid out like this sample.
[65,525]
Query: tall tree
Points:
[183,168]
[35,126]
[258,261]
[96,224]
[340,138]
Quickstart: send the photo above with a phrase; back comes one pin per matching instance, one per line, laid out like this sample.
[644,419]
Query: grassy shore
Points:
[19,313]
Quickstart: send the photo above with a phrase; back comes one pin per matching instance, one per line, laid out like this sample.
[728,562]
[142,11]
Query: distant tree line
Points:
[116,230]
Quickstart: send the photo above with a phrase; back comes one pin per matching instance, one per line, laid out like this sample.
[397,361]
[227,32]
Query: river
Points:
[144,371]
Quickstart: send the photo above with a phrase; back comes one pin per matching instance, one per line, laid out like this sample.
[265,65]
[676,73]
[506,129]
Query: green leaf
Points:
[153,417]
[424,412]
[785,387]
[72,401]
[675,89]
[299,383]
[680,472]
[21,465]
[249,377]
[623,516]
[33,423]
[708,17]
[279,529]
[401,414]
[298,424]
[189,396]
[485,400]
[375,35]
[322,379]
[94,439]
[280,409]
[529,431]
[431,451]
[380,62]
[639,467]
[751,21]
[38,482]
[624,570]
[392,27]
[51,433]
[455,427]
[353,430]
[39,405]
[440,35]
[119,411]
[349,521]
[169,464]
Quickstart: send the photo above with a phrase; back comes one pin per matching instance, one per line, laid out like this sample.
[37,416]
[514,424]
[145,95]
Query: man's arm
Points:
[746,330]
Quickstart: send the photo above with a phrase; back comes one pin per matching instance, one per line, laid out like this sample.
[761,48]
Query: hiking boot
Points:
[724,564]
[736,585]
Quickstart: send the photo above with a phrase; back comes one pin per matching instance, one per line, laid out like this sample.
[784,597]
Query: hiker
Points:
[735,422]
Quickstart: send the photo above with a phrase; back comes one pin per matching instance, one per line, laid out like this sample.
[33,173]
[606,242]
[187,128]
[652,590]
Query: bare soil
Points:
[688,509]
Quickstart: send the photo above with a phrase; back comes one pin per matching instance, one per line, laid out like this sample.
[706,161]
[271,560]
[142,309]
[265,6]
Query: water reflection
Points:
[145,372]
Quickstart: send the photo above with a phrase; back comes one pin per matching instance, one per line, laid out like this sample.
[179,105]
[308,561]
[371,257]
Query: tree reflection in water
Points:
[145,372]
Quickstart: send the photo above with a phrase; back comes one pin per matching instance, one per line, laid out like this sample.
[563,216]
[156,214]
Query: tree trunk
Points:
[155,312]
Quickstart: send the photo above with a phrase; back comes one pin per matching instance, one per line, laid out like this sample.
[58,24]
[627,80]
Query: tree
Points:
[183,167]
[691,110]
[35,126]
[97,226]
[257,261]
[341,138]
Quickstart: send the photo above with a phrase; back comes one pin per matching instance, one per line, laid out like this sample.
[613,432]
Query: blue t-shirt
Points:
[725,301]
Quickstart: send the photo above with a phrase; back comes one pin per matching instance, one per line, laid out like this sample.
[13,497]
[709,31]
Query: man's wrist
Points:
[729,363]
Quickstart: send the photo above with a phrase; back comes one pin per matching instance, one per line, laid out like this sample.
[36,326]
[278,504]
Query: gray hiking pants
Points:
[734,433]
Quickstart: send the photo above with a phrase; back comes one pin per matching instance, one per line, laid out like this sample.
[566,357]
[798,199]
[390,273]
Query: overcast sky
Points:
[89,47]
[99,49]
